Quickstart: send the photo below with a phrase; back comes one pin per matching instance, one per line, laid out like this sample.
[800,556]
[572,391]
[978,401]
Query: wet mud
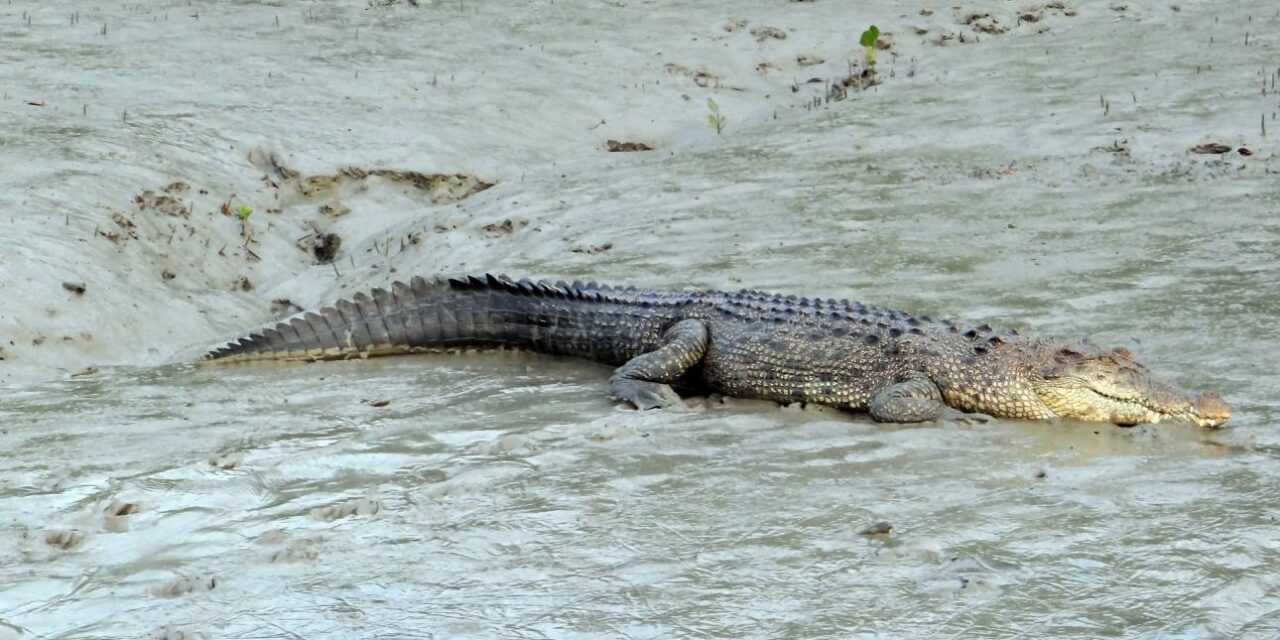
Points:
[1081,168]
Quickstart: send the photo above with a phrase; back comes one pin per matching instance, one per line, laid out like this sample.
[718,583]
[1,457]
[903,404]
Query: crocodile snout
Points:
[1212,410]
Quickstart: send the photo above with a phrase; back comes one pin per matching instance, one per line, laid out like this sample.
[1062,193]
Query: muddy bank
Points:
[1008,165]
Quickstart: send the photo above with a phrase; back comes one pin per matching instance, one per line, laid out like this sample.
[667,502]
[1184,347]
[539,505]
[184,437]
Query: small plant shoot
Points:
[244,212]
[716,119]
[868,42]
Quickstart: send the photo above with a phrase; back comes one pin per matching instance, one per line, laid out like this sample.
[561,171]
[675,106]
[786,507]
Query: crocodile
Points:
[751,344]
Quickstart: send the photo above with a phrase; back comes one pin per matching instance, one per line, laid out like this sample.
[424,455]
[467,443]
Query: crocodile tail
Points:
[423,315]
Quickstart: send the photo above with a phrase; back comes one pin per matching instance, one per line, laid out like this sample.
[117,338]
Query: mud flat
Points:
[176,174]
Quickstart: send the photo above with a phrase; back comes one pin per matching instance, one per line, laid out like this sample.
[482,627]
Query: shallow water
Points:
[503,495]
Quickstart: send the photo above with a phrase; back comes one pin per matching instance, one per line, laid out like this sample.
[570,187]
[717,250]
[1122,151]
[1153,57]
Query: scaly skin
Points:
[750,344]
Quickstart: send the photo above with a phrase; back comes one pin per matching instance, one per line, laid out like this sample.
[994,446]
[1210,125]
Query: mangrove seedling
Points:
[716,119]
[868,42]
[246,230]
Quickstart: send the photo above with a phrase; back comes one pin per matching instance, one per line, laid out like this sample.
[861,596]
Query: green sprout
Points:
[868,42]
[716,119]
[244,212]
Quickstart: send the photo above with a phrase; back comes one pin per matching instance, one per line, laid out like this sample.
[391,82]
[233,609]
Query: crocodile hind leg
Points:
[645,380]
[913,400]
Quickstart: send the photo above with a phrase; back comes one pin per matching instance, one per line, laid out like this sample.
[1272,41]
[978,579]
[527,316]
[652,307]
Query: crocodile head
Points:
[1082,381]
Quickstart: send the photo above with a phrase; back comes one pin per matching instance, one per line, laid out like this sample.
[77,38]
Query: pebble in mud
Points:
[877,529]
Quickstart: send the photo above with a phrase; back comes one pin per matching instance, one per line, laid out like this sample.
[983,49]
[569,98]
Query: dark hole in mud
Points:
[122,509]
[326,247]
[616,146]
[1213,148]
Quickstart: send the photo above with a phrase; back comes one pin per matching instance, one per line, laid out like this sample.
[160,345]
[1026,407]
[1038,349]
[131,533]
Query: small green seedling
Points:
[868,42]
[244,212]
[716,119]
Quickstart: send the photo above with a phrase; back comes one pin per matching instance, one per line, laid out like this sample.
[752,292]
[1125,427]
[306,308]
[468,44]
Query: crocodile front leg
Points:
[914,400]
[645,380]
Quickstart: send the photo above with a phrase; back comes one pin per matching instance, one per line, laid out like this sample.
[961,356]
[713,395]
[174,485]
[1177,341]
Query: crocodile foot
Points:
[646,395]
